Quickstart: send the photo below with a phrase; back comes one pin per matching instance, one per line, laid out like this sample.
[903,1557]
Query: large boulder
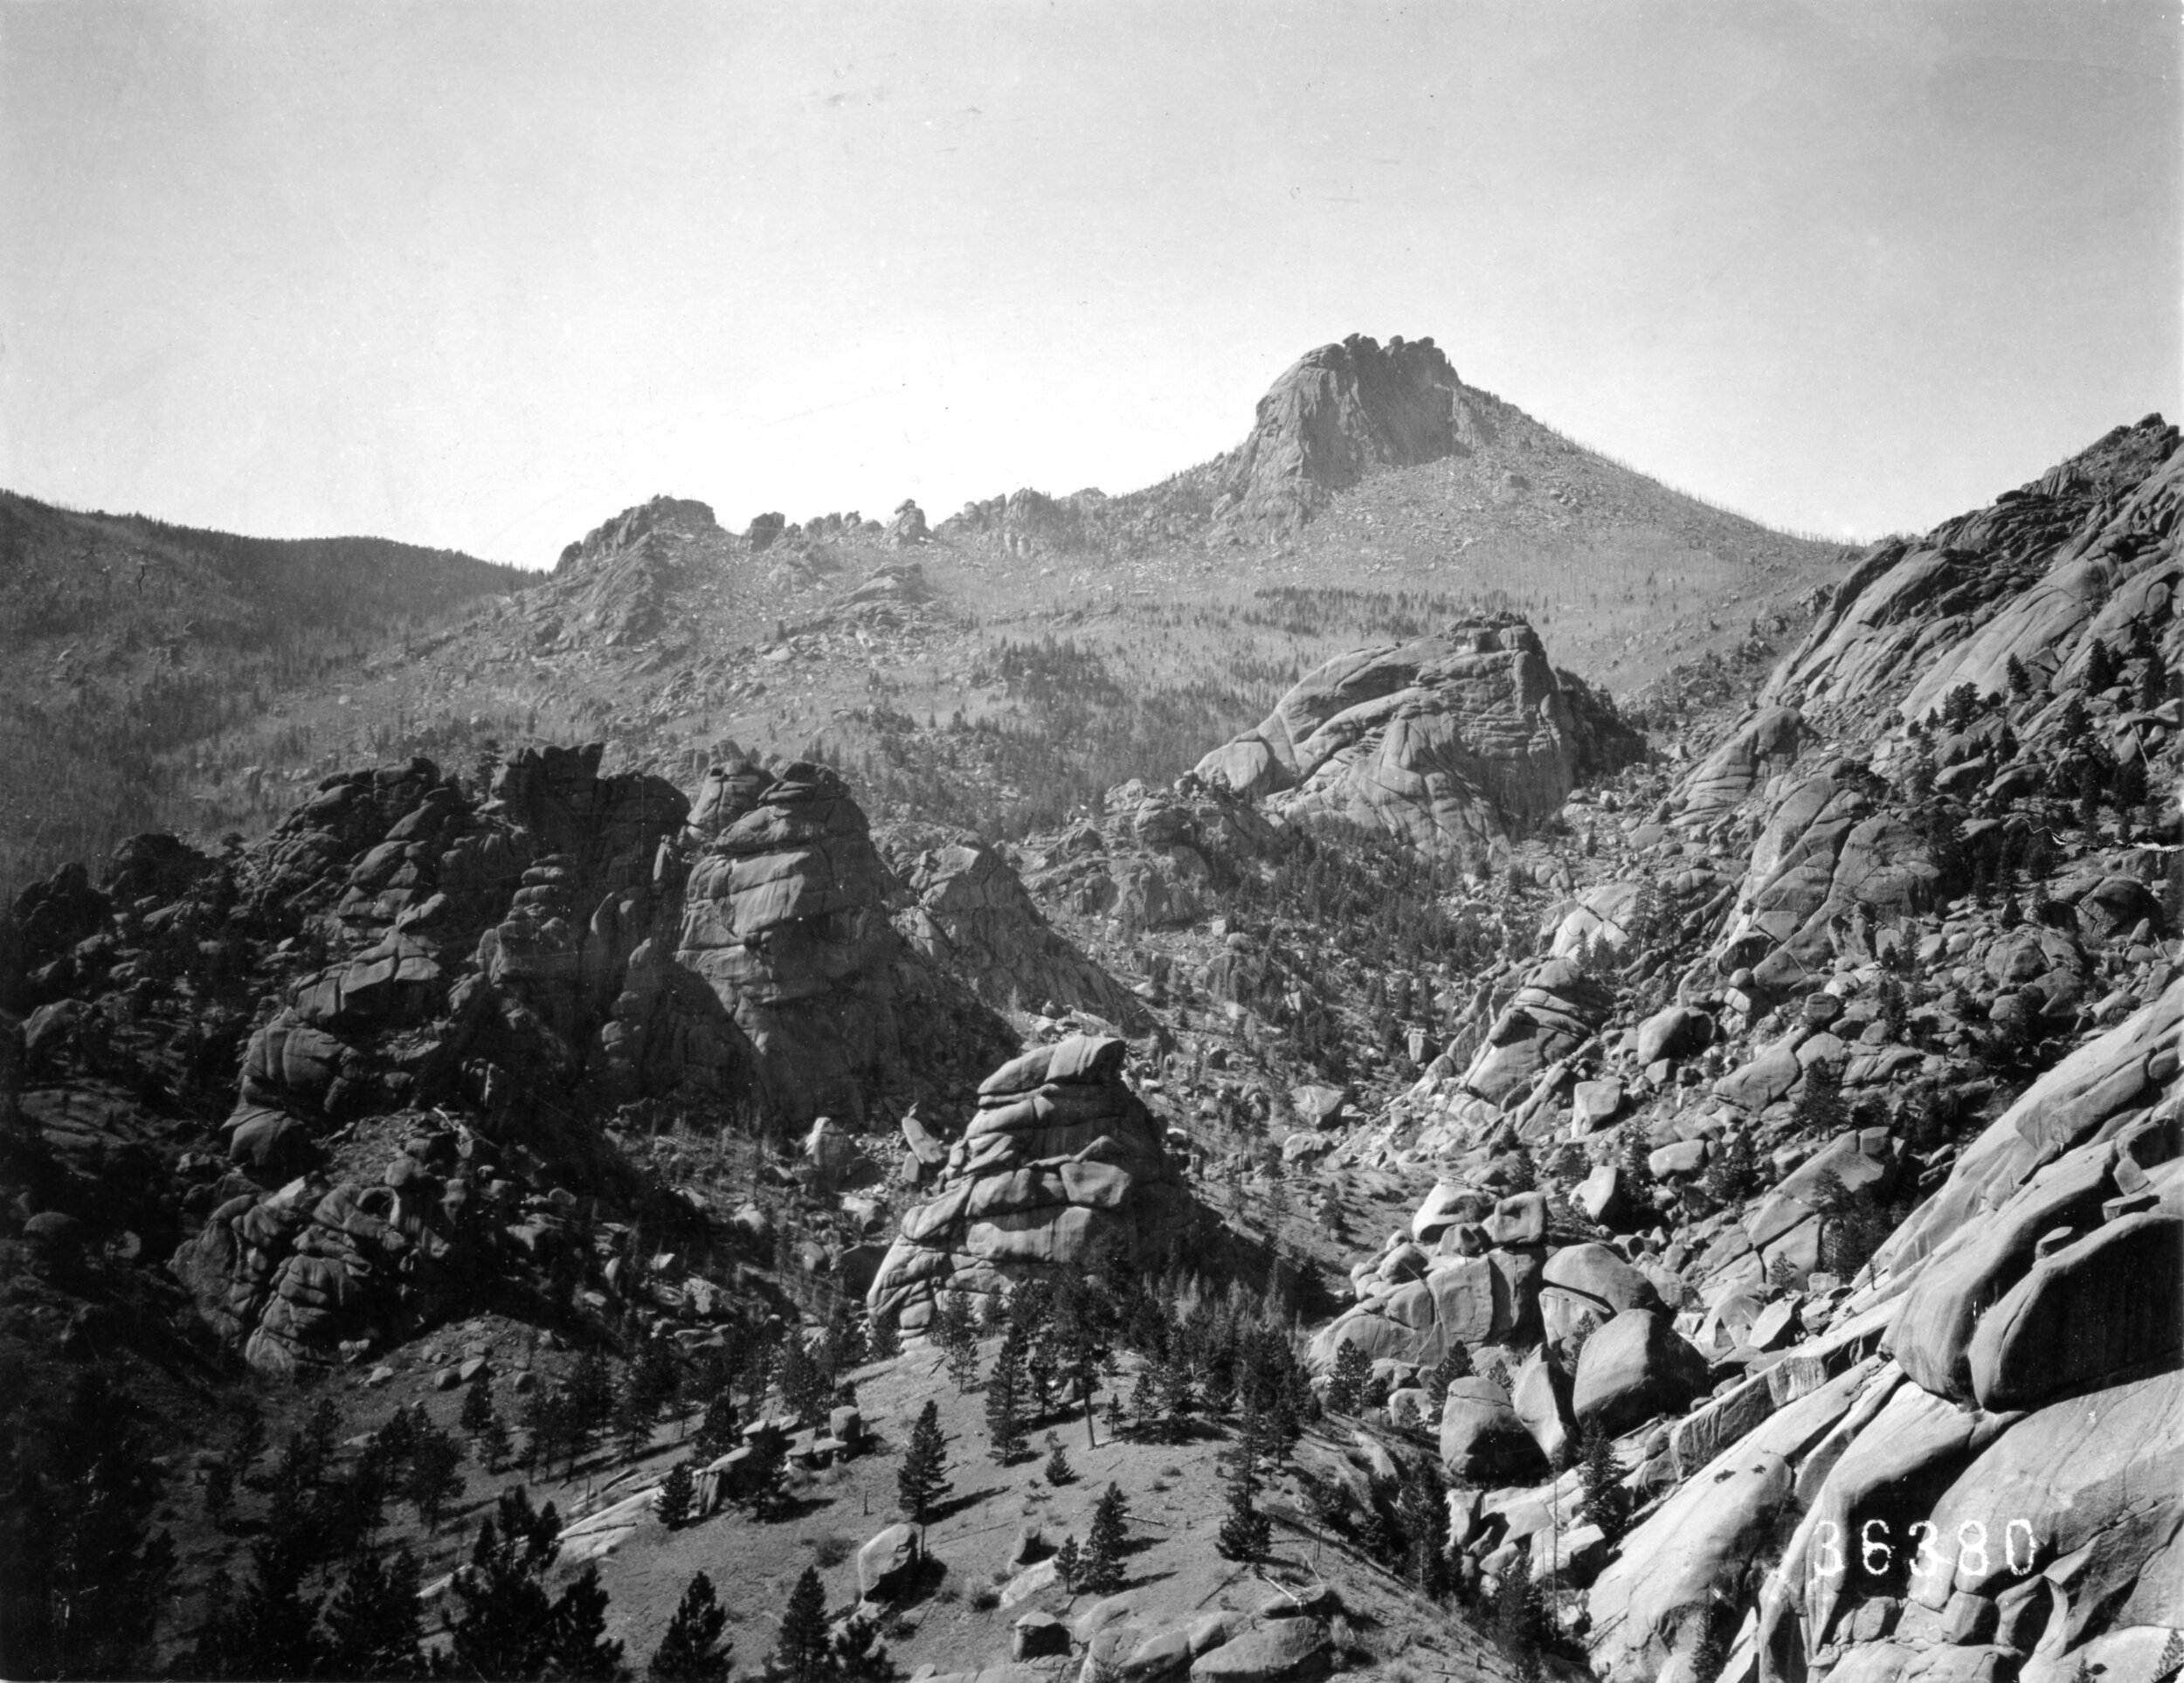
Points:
[1483,1441]
[1557,1009]
[2085,1316]
[887,1562]
[1634,1367]
[1060,1161]
[1450,740]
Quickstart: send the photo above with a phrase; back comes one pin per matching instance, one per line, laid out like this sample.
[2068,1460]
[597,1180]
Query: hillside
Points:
[1540,1187]
[131,648]
[999,668]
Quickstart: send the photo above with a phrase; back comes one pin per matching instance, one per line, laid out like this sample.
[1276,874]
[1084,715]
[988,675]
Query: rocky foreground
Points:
[1781,1128]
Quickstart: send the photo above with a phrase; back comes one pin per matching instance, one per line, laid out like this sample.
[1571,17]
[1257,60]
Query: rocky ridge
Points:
[1785,1023]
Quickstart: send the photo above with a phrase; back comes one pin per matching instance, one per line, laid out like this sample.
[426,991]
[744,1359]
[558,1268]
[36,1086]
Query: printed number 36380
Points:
[1876,1554]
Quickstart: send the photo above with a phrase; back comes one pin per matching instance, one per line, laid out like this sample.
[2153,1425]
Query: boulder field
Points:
[1830,1164]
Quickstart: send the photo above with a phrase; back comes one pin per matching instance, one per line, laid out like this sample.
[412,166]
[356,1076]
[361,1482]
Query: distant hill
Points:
[996,667]
[125,642]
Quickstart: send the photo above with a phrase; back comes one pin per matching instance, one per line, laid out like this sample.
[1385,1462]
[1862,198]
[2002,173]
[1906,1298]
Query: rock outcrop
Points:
[1335,414]
[972,917]
[1452,740]
[1061,1162]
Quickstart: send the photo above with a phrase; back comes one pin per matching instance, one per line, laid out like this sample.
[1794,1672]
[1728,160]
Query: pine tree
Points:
[923,1480]
[1604,1502]
[1421,1512]
[502,1614]
[1346,1383]
[271,1629]
[1082,1318]
[1454,1364]
[1516,1608]
[1246,1534]
[1070,1564]
[721,1430]
[476,1409]
[1106,1542]
[1820,1098]
[676,1492]
[768,1475]
[492,1443]
[691,1651]
[577,1644]
[805,1388]
[1004,1425]
[372,1623]
[1059,1471]
[550,1427]
[634,1417]
[591,1399]
[432,1476]
[801,1652]
[882,1340]
[1178,1399]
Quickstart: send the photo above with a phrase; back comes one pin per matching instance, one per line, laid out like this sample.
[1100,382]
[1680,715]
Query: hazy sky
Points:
[482,274]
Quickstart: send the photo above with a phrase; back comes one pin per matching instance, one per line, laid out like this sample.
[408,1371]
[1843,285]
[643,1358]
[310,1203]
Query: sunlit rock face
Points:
[1451,740]
[1061,1162]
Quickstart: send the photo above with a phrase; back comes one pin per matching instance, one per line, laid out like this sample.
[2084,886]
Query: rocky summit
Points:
[1494,1170]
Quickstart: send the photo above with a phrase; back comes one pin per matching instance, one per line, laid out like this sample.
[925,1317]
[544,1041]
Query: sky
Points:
[481,275]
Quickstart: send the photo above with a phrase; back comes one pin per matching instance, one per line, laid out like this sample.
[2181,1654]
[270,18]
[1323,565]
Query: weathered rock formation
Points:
[1060,1161]
[972,917]
[1453,740]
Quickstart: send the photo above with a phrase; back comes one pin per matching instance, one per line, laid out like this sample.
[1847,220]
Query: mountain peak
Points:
[1336,414]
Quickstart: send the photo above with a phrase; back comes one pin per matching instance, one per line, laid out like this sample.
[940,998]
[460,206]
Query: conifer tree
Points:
[476,1409]
[1603,1503]
[1346,1382]
[1454,1363]
[492,1443]
[576,1644]
[433,1474]
[270,1629]
[923,1478]
[1246,1534]
[1070,1564]
[505,1624]
[801,1652]
[882,1339]
[768,1476]
[1059,1471]
[1105,1543]
[721,1429]
[1421,1512]
[691,1651]
[805,1388]
[372,1622]
[1178,1399]
[676,1492]
[1516,1608]
[1004,1425]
